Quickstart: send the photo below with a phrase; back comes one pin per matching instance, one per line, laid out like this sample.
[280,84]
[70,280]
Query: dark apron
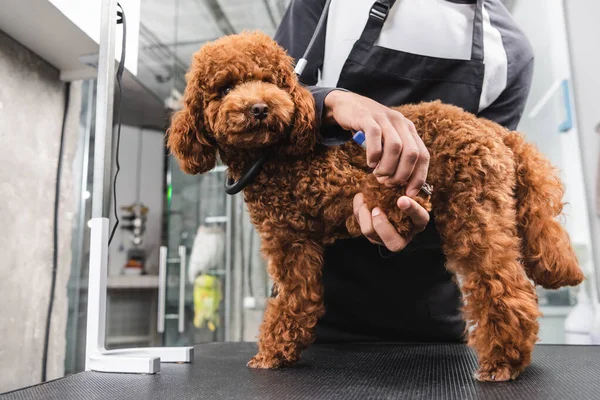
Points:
[405,296]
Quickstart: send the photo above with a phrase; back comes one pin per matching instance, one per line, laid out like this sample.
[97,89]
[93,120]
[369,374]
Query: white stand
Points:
[141,360]
[138,360]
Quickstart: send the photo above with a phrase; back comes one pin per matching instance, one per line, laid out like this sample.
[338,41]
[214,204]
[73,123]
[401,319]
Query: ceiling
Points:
[172,31]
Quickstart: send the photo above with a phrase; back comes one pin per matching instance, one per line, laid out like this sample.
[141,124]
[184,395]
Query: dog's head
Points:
[241,94]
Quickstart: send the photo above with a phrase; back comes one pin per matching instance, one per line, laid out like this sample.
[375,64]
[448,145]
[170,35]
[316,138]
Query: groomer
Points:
[391,52]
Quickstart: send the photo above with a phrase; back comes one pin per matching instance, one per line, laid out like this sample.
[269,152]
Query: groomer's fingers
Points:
[357,203]
[409,155]
[419,175]
[373,134]
[363,216]
[392,148]
[388,234]
[418,215]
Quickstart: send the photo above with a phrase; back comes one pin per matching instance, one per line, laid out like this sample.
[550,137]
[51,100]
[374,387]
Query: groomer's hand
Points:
[374,224]
[403,159]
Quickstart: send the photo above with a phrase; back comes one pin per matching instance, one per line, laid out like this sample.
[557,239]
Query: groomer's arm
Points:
[405,159]
[394,148]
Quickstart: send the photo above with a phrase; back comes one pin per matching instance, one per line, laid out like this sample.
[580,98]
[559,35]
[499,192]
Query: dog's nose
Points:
[259,110]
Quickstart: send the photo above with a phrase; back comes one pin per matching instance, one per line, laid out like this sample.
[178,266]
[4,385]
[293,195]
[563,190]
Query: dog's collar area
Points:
[234,187]
[212,141]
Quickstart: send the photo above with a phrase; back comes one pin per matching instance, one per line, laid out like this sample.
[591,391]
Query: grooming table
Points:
[353,371]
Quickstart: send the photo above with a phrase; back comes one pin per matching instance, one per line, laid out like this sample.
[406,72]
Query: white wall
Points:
[31,111]
[151,194]
[544,24]
[583,34]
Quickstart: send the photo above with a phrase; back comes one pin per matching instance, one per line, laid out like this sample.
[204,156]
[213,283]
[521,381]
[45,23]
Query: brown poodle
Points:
[495,199]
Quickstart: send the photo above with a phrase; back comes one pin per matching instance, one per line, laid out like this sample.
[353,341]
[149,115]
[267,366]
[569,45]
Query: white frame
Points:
[97,357]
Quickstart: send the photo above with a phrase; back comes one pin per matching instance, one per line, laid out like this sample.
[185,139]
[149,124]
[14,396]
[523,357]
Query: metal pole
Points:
[228,265]
[135,360]
[104,110]
[77,264]
[98,266]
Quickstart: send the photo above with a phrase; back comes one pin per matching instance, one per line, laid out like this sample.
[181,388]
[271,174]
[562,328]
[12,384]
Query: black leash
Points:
[119,75]
[234,187]
[55,233]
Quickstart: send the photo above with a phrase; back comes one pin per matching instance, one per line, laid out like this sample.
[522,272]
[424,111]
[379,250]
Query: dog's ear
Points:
[303,136]
[186,137]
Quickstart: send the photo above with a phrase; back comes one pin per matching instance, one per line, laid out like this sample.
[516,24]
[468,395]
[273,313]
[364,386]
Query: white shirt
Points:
[436,28]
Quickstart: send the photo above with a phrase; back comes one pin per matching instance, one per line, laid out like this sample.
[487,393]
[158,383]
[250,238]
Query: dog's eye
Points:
[226,90]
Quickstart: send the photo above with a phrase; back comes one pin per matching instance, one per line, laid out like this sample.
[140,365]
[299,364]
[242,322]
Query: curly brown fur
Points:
[495,200]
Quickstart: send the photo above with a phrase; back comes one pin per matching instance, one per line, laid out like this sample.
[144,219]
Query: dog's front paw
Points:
[497,374]
[260,361]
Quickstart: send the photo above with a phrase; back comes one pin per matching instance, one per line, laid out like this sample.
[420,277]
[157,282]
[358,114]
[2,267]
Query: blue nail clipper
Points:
[360,139]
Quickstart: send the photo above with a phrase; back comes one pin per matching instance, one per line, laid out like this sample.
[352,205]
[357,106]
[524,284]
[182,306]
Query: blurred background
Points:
[215,283]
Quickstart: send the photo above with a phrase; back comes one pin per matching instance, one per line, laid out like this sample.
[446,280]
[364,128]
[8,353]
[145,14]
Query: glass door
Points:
[213,284]
[195,258]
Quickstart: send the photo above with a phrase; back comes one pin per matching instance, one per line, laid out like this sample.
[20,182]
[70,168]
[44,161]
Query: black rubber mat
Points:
[340,372]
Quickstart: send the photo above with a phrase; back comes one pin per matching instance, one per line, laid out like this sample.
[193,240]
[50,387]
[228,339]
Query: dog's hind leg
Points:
[501,312]
[290,318]
[500,304]
[476,217]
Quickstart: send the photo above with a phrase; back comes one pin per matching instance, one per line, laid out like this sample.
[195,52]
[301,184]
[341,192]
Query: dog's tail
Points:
[548,256]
